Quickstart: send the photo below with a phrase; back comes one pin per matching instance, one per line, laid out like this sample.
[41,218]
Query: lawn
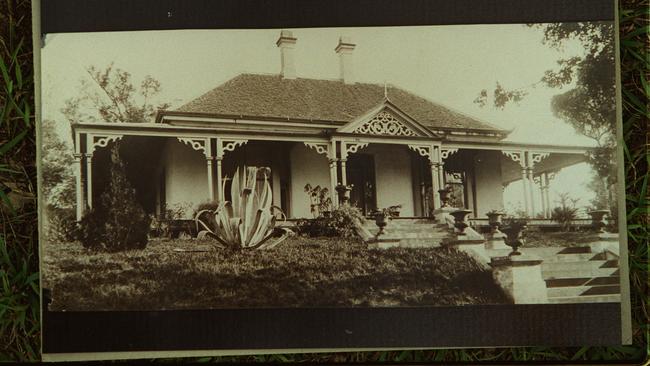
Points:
[301,272]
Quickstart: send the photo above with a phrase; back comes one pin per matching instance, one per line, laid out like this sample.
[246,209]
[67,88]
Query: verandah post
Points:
[219,158]
[434,163]
[524,179]
[333,162]
[78,155]
[209,158]
[89,170]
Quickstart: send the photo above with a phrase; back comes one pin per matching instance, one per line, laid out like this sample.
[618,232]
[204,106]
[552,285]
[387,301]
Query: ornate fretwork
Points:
[231,145]
[384,123]
[444,153]
[424,151]
[514,156]
[352,148]
[537,157]
[102,141]
[194,143]
[320,148]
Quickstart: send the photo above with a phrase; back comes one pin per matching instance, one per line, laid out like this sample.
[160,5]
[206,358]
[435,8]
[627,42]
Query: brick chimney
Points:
[344,50]
[286,42]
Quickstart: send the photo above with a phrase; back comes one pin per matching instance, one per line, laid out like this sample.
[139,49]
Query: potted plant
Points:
[393,211]
[444,196]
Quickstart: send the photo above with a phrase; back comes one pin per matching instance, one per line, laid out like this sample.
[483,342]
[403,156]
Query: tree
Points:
[590,105]
[117,221]
[57,164]
[58,186]
[112,97]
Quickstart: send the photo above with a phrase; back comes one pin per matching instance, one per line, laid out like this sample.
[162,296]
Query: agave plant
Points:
[248,220]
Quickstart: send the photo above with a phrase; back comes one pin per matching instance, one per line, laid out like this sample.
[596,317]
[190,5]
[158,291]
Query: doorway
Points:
[360,172]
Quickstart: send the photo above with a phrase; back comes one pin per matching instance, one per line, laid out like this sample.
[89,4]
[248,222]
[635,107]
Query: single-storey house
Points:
[390,146]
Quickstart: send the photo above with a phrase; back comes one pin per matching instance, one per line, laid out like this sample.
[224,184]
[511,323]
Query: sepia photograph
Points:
[411,166]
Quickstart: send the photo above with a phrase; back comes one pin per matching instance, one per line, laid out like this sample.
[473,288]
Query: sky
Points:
[449,65]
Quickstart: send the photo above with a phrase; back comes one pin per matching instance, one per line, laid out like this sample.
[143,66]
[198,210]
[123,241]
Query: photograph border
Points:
[625,332]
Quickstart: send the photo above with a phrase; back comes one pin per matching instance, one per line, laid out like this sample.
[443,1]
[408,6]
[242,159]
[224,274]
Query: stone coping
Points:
[522,260]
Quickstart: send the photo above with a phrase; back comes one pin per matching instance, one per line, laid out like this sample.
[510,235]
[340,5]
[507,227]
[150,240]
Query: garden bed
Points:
[301,272]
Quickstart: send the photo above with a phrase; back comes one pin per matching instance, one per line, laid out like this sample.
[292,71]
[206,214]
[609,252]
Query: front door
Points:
[361,174]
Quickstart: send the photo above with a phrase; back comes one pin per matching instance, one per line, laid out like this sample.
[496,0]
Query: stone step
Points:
[583,290]
[577,257]
[585,281]
[402,244]
[409,235]
[576,270]
[585,299]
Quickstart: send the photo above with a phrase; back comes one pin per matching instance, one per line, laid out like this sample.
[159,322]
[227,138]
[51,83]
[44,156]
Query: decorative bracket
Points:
[515,156]
[444,153]
[197,144]
[422,150]
[231,145]
[319,147]
[536,157]
[354,147]
[101,141]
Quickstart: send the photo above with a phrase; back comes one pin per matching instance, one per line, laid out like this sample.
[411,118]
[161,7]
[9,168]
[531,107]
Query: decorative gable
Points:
[386,119]
[384,123]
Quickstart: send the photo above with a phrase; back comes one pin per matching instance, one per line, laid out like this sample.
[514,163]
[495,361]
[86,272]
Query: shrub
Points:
[61,224]
[342,222]
[319,199]
[117,222]
[566,212]
[161,226]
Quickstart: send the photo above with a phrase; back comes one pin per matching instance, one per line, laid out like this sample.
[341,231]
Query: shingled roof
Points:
[271,96]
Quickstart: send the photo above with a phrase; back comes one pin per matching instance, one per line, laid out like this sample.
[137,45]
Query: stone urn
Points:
[460,220]
[514,236]
[444,197]
[343,192]
[598,220]
[495,220]
[381,220]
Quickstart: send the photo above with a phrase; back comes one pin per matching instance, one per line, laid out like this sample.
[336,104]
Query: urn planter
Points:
[495,220]
[460,220]
[381,222]
[514,237]
[598,220]
[344,193]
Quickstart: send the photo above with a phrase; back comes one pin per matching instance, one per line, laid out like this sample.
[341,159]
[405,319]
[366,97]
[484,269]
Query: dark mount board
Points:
[128,15]
[459,326]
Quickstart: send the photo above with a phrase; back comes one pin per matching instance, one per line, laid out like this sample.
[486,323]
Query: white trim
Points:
[243,121]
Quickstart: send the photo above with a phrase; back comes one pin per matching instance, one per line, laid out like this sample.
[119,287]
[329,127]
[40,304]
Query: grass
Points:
[301,272]
[19,320]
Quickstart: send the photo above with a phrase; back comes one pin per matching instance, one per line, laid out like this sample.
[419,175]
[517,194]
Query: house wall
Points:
[487,172]
[393,176]
[186,180]
[306,167]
